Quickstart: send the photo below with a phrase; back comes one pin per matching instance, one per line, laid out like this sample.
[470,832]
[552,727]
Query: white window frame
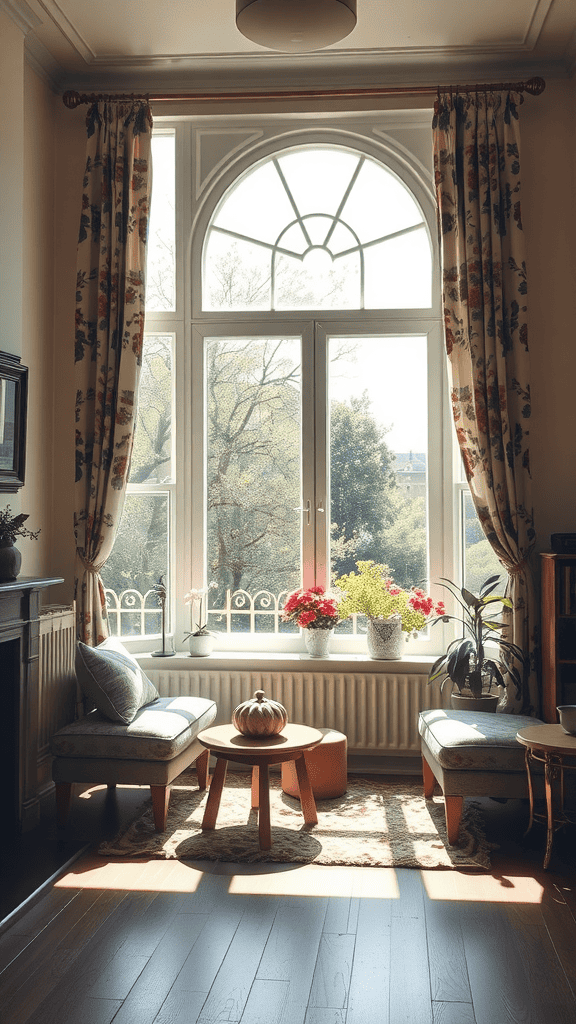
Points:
[190,324]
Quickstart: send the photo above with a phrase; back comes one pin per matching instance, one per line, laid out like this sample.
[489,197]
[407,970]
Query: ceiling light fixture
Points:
[295,26]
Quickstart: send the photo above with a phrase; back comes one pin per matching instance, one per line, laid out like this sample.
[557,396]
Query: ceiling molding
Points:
[537,20]
[21,14]
[67,29]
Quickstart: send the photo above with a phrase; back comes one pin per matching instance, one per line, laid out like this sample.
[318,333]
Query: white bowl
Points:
[567,714]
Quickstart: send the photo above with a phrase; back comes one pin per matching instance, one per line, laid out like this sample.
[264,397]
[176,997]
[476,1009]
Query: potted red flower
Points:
[316,611]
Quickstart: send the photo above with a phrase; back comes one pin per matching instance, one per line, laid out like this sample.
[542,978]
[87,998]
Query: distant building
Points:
[410,470]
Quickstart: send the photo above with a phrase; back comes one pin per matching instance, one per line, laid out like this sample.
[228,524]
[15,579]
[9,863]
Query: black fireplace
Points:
[19,675]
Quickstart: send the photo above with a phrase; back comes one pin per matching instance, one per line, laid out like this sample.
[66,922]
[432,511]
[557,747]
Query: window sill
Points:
[273,662]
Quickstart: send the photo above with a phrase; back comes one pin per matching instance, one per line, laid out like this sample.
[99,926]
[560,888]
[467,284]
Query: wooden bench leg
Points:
[453,810]
[63,798]
[160,798]
[429,779]
[202,769]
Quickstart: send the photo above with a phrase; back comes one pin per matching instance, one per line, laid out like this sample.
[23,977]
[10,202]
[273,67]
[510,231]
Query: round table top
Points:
[227,739]
[547,737]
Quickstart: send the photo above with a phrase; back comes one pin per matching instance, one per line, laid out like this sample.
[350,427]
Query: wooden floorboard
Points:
[156,942]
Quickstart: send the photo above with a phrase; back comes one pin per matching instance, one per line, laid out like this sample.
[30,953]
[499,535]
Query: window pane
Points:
[161,256]
[139,558]
[318,282]
[236,274]
[399,273]
[253,398]
[318,178]
[379,204]
[480,562]
[152,454]
[378,455]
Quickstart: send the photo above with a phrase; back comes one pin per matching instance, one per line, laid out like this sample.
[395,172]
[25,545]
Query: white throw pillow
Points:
[112,679]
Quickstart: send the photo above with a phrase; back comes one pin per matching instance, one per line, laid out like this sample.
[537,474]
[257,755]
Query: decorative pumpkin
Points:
[260,716]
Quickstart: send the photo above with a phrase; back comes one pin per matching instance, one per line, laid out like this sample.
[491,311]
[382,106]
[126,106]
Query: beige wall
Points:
[50,140]
[36,497]
[549,215]
[12,185]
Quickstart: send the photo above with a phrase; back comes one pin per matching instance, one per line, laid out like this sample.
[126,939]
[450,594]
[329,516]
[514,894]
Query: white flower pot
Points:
[385,638]
[201,645]
[318,642]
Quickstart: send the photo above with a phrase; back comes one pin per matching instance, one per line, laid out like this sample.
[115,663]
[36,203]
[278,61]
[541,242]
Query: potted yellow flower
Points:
[390,609]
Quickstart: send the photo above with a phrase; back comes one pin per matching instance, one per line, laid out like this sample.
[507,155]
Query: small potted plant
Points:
[10,557]
[466,666]
[391,611]
[316,611]
[200,638]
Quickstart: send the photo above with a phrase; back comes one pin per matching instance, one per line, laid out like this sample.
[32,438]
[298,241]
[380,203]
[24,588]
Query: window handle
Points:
[320,507]
[305,509]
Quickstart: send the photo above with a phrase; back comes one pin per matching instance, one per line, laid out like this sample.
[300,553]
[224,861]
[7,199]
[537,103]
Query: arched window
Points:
[306,375]
[319,227]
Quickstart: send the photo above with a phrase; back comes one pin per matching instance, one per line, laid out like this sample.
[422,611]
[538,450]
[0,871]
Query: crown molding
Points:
[21,14]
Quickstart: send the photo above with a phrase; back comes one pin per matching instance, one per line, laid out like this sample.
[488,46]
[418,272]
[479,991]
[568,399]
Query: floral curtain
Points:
[477,176]
[110,285]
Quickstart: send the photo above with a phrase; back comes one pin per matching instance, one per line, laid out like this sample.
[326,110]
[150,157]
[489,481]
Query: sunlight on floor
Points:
[94,872]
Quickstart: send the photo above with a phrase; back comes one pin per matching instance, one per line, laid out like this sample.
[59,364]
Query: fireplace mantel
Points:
[19,660]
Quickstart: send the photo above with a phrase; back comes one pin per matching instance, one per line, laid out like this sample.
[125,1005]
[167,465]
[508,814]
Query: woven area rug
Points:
[375,823]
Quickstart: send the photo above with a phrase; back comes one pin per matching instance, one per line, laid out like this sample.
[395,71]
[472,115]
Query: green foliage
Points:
[464,664]
[12,526]
[403,542]
[361,483]
[372,592]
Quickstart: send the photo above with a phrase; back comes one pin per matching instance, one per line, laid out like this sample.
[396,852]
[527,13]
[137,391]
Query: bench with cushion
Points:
[472,753]
[132,737]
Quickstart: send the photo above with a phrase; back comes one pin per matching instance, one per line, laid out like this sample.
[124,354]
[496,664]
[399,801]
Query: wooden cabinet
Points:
[558,633]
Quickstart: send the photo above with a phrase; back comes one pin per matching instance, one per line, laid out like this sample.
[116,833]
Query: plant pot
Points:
[385,638]
[201,645]
[10,561]
[318,642]
[486,702]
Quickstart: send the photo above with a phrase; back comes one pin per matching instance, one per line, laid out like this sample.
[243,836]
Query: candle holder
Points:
[160,591]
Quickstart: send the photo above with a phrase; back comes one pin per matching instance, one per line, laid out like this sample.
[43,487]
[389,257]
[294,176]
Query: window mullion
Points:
[321,474]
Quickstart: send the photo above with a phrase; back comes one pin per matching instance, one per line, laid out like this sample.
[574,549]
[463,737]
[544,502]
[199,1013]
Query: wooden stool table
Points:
[229,745]
[556,750]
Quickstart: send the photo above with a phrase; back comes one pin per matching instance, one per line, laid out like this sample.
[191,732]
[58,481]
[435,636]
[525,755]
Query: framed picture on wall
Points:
[13,409]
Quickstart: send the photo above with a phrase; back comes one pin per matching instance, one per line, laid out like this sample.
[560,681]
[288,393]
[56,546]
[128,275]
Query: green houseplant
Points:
[466,665]
[390,610]
[12,527]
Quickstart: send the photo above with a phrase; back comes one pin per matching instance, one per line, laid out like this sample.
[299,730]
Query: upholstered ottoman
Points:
[472,753]
[327,768]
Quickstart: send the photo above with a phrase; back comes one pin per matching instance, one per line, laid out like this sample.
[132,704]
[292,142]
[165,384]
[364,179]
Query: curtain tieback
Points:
[92,567]
[516,568]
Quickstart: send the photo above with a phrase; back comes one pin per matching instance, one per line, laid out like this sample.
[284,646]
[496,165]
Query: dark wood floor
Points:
[174,943]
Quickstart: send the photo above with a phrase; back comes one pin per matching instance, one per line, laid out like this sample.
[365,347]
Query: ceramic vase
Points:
[318,642]
[385,638]
[10,561]
[201,645]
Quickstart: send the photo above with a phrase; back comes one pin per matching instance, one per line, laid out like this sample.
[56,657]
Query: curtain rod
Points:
[534,86]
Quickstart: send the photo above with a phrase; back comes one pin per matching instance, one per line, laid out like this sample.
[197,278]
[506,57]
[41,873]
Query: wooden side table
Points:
[556,750]
[229,745]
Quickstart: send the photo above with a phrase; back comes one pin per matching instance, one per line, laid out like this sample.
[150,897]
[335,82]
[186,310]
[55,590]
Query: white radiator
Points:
[377,712]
